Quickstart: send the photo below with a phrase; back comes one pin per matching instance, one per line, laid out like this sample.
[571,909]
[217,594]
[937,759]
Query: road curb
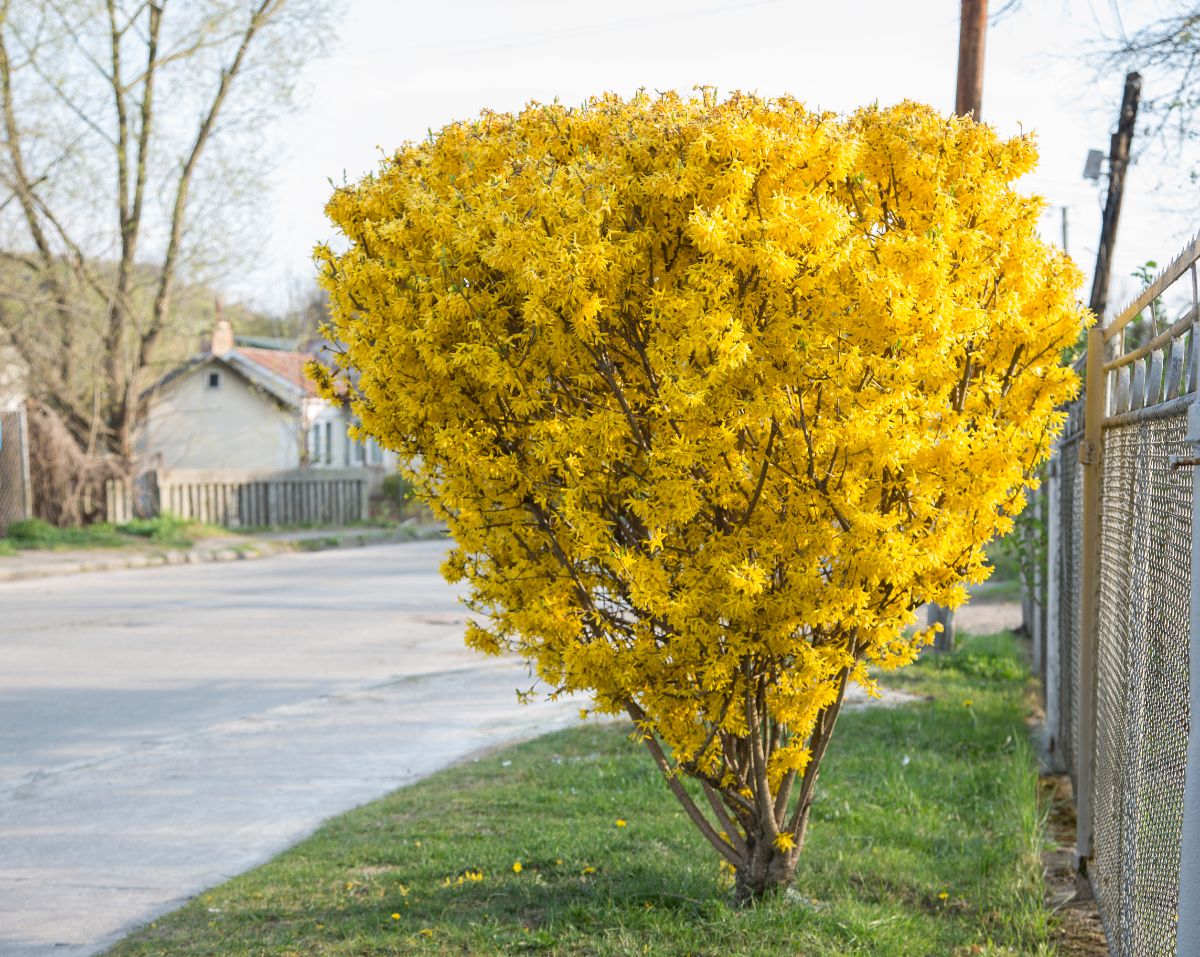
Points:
[242,551]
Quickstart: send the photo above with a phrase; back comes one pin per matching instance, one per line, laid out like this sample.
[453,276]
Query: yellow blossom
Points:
[712,396]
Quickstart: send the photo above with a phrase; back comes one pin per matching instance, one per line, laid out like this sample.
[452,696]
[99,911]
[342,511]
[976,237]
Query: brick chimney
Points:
[222,334]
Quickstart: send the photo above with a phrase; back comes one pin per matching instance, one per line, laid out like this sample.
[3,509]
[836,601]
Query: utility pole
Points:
[1118,162]
[968,99]
[972,32]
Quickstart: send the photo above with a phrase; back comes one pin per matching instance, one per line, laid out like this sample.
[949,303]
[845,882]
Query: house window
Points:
[314,444]
[355,451]
[374,453]
[328,443]
[214,380]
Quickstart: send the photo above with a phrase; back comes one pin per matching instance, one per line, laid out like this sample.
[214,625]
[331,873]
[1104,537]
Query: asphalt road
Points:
[162,730]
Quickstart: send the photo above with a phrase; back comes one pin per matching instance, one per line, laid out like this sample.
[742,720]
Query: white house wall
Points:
[232,426]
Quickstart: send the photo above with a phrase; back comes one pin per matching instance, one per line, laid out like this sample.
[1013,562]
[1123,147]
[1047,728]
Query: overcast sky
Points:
[399,69]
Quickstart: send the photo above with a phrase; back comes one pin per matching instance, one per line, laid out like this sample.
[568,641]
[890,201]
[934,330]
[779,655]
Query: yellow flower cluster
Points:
[712,395]
[468,876]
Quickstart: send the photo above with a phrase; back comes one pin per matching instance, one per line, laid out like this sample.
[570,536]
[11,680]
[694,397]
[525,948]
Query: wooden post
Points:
[1188,929]
[972,32]
[968,99]
[1090,450]
[1118,162]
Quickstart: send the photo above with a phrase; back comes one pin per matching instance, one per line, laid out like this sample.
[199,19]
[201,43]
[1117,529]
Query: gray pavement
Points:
[164,729]
[234,546]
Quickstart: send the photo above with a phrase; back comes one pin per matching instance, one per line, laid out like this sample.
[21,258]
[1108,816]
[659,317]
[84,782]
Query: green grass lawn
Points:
[166,530]
[924,842]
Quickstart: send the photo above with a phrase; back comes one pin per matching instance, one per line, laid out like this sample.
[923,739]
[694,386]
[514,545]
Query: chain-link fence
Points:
[15,496]
[1142,680]
[1123,499]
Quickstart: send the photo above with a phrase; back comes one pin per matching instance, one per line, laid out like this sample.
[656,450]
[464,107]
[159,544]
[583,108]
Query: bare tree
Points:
[1167,50]
[129,147]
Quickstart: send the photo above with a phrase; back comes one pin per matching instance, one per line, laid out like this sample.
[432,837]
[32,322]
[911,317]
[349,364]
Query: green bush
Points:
[988,658]
[165,528]
[32,531]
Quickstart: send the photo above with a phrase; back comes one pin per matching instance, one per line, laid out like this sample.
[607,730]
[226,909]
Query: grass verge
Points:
[924,841]
[165,530]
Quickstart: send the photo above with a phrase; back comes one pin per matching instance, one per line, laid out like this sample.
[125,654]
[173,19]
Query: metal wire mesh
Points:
[14,471]
[1142,684]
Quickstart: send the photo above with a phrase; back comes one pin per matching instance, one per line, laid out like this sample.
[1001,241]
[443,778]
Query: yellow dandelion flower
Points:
[967,702]
[943,896]
[621,822]
[517,867]
[395,917]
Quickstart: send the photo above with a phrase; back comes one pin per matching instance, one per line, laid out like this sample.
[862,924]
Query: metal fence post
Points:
[1037,597]
[1051,677]
[1090,451]
[26,477]
[1188,929]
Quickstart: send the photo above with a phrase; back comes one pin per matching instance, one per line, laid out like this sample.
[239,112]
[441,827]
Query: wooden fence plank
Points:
[232,499]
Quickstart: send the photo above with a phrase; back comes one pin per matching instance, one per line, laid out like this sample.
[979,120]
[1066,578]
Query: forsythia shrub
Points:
[712,395]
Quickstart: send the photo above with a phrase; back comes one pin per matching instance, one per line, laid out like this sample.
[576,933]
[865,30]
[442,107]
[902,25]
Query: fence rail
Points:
[1120,653]
[239,499]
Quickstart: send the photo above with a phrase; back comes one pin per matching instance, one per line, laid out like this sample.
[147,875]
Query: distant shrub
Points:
[165,528]
[32,531]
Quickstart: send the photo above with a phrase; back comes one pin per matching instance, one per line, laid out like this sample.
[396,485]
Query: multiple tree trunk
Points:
[102,171]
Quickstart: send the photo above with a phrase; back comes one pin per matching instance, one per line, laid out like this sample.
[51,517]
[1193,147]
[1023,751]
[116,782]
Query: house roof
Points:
[278,373]
[267,342]
[288,366]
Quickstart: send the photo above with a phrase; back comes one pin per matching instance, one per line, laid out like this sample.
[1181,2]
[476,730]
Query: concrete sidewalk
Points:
[162,730]
[44,563]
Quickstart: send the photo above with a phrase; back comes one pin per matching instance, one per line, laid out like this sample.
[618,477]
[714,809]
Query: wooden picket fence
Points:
[241,499]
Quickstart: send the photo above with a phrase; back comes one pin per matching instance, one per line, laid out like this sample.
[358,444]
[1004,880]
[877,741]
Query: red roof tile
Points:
[286,365]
